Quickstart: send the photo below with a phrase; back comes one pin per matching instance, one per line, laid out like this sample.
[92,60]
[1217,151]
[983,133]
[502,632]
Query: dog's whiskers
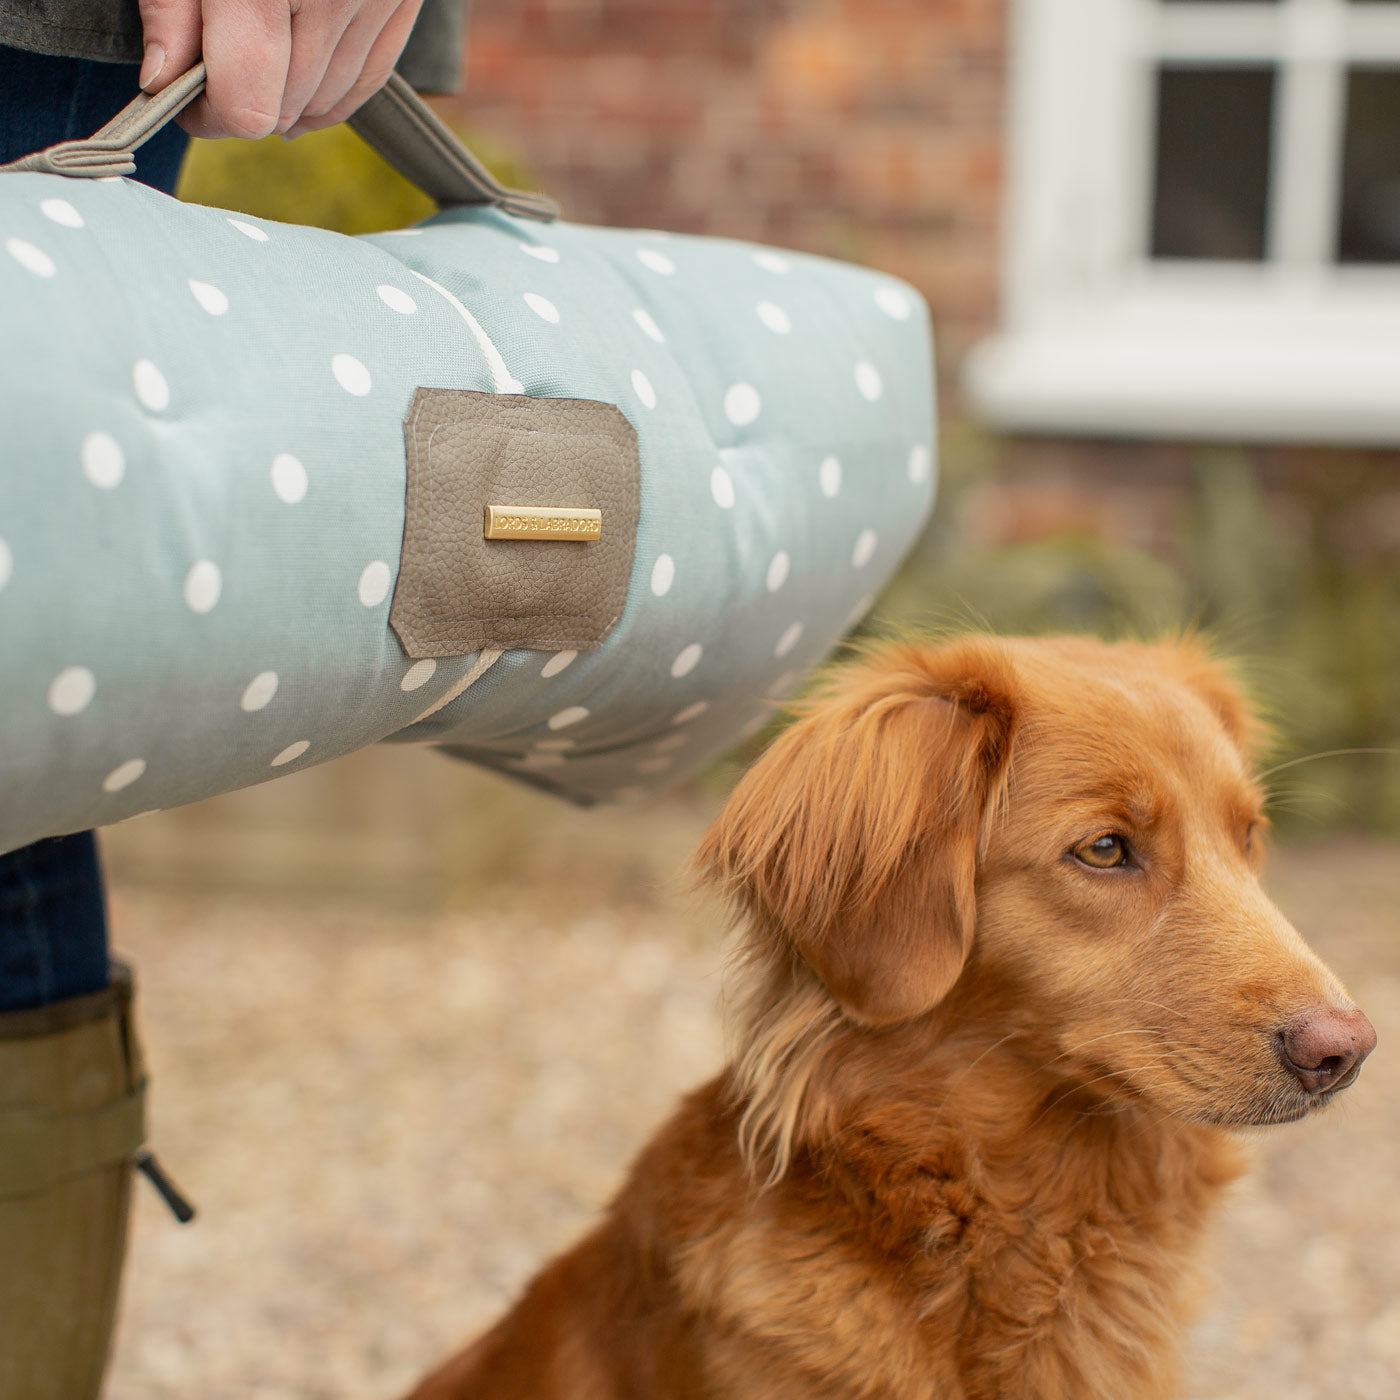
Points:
[1094,1040]
[1082,1084]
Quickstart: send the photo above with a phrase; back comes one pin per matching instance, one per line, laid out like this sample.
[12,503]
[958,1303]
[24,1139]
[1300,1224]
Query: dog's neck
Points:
[1006,1130]
[1018,1199]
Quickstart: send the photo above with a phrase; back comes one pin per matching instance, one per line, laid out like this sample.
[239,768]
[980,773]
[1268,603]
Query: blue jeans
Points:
[44,100]
[53,924]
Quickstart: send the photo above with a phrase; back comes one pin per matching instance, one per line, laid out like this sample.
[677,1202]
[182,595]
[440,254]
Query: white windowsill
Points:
[1095,339]
[1205,354]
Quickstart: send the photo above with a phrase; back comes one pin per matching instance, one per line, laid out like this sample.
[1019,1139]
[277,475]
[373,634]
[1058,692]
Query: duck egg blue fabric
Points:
[202,490]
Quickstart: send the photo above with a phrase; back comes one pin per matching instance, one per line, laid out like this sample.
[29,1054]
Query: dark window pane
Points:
[1211,195]
[1370,219]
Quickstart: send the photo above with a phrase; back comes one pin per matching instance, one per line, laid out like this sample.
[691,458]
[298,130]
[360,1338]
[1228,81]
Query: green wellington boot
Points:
[72,1121]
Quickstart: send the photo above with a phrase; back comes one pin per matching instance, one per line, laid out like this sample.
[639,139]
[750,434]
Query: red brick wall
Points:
[865,129]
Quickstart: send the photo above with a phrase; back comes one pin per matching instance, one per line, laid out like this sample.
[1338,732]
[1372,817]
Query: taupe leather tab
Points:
[396,122]
[459,592]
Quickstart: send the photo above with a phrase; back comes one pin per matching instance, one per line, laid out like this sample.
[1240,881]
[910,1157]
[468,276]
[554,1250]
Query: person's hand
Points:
[274,65]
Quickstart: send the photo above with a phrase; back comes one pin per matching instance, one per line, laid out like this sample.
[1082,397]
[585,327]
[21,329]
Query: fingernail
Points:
[152,64]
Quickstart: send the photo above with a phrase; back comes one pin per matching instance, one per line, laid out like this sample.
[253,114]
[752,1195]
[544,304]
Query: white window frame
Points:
[1097,337]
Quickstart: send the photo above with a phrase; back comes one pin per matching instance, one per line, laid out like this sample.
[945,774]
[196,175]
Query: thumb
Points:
[172,31]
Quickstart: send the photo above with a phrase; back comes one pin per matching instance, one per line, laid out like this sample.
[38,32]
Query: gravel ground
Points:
[389,1121]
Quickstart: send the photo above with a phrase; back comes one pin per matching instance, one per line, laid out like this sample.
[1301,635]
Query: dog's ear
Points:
[856,836]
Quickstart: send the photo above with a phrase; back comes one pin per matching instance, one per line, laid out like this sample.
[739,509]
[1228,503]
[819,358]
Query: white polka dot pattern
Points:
[258,693]
[351,375]
[123,775]
[104,463]
[894,303]
[830,477]
[71,691]
[209,297]
[648,325]
[419,674]
[231,487]
[152,388]
[859,612]
[542,759]
[61,212]
[396,299]
[28,256]
[687,661]
[692,712]
[373,587]
[722,488]
[663,575]
[204,585]
[774,317]
[289,479]
[742,404]
[869,382]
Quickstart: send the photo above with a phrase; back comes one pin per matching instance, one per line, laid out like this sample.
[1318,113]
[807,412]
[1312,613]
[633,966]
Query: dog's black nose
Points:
[1323,1049]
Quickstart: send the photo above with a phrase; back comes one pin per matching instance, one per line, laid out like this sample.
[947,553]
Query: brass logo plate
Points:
[574,523]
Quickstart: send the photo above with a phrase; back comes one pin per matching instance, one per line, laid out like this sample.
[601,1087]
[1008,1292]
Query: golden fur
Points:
[979,1110]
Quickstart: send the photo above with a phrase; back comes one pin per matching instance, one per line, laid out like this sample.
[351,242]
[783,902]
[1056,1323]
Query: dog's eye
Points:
[1102,852]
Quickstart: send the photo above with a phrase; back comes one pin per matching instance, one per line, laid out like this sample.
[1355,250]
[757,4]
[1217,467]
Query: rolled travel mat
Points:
[573,503]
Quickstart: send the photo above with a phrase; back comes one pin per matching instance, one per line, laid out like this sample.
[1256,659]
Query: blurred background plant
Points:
[1297,582]
[329,179]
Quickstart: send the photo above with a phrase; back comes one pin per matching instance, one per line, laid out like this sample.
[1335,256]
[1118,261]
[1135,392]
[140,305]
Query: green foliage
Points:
[1311,619]
[329,179]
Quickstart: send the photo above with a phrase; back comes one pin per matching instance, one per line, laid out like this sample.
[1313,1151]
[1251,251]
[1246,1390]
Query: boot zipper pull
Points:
[180,1208]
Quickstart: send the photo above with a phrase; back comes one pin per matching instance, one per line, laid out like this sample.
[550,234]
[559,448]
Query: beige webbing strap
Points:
[423,149]
[109,151]
[396,122]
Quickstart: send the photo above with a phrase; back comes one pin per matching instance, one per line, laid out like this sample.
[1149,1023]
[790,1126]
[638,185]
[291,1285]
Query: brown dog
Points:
[1011,981]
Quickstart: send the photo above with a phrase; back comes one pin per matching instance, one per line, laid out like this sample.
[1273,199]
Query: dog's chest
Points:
[805,1313]
[940,1294]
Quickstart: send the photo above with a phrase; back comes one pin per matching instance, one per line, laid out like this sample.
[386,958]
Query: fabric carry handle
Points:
[396,122]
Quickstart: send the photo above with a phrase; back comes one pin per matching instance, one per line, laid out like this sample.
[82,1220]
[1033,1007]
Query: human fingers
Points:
[170,30]
[370,52]
[319,29]
[247,49]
